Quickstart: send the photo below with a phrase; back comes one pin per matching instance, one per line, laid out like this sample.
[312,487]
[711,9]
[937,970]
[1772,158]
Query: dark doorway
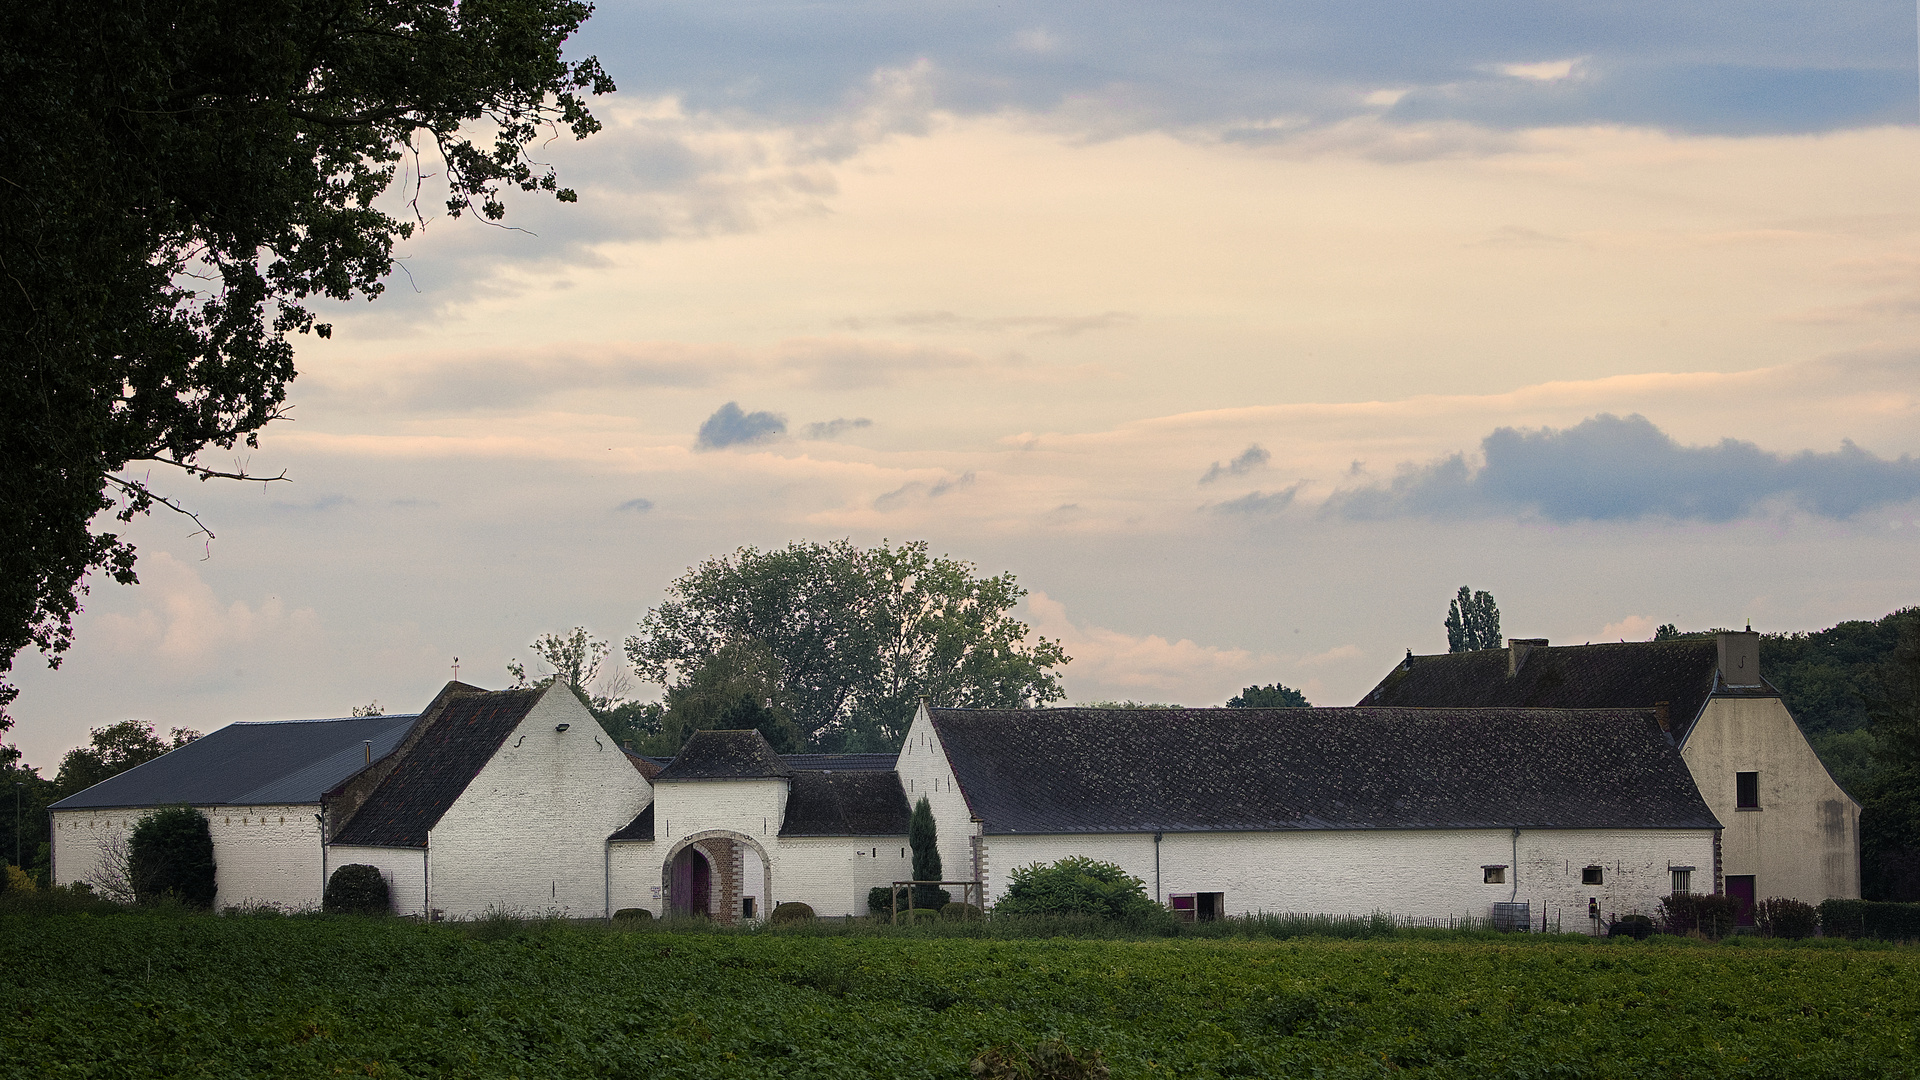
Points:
[692,883]
[1211,906]
[1740,887]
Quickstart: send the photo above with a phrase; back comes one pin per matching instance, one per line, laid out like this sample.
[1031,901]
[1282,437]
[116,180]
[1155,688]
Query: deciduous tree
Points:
[113,749]
[1276,696]
[1473,622]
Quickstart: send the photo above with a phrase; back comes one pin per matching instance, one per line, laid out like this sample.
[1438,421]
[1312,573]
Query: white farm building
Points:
[517,800]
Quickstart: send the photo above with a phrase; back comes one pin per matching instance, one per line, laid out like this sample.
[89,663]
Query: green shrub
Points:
[633,914]
[792,911]
[356,889]
[1637,927]
[171,854]
[880,899]
[1712,914]
[960,911]
[1870,919]
[1077,885]
[1782,917]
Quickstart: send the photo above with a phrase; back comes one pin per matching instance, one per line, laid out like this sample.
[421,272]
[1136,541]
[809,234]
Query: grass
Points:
[171,994]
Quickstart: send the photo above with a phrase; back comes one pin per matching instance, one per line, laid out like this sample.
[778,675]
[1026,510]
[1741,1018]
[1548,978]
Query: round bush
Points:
[1637,927]
[356,889]
[792,911]
[957,910]
[633,914]
[171,854]
[1077,885]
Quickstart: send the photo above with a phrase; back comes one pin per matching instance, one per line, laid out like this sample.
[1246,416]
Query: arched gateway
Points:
[706,874]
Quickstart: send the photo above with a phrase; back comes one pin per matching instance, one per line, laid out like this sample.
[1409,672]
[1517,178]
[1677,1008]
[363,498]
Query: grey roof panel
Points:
[851,802]
[725,754]
[457,743]
[1036,771]
[251,763]
[842,762]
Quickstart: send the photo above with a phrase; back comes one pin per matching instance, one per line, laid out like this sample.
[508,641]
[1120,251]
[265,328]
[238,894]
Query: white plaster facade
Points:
[267,855]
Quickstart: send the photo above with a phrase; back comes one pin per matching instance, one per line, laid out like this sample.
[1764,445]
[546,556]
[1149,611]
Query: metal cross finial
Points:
[456,669]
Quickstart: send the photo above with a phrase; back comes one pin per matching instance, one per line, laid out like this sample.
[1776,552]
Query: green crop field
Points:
[159,995]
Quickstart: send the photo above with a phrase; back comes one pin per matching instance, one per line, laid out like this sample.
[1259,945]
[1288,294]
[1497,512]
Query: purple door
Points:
[692,881]
[1740,887]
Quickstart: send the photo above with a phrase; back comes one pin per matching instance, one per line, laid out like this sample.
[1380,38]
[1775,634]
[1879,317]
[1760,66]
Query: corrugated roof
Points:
[1624,675]
[860,802]
[1028,771]
[252,763]
[725,755]
[452,750]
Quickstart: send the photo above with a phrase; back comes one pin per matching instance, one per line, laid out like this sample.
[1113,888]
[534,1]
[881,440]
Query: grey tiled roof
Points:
[455,746]
[640,828]
[1625,675]
[252,763]
[861,802]
[1029,771]
[725,755]
[842,762]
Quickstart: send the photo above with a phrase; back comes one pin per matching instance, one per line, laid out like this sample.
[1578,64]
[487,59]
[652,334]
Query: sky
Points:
[1242,334]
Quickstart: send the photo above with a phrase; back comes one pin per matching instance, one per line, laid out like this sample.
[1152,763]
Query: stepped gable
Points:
[1053,771]
[252,763]
[1625,675]
[725,755]
[463,735]
[859,802]
[640,828]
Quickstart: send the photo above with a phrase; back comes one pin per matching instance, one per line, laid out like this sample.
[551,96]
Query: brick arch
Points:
[723,849]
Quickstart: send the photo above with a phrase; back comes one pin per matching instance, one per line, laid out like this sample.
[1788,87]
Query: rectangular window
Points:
[746,907]
[1746,791]
[1682,880]
[1592,875]
[1183,906]
[1494,875]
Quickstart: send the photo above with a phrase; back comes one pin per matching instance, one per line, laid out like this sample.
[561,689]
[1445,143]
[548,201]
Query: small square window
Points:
[1592,875]
[1746,790]
[1493,875]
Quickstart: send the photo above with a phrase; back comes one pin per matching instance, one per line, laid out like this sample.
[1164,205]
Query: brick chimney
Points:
[1740,658]
[1517,650]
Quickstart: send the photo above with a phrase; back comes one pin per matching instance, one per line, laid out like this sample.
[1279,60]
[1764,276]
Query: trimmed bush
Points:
[791,912]
[1782,917]
[1637,927]
[961,911]
[356,889]
[880,899]
[633,914]
[1711,914]
[171,854]
[1077,885]
[1870,919]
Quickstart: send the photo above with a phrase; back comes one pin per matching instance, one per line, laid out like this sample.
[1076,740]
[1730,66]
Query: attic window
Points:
[1591,875]
[1746,791]
[1494,875]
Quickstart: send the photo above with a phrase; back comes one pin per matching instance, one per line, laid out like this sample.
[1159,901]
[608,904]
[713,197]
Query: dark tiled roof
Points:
[640,828]
[647,767]
[861,802]
[1205,770]
[725,755]
[842,762]
[1628,675]
[453,749]
[251,764]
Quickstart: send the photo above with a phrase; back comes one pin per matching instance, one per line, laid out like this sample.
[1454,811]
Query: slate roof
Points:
[647,767]
[1038,771]
[842,762]
[725,755]
[453,749]
[1627,675]
[251,763]
[859,802]
[640,828]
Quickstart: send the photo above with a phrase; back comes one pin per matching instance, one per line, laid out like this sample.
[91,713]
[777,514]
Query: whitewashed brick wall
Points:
[529,833]
[261,854]
[636,868]
[924,770]
[405,869]
[753,808]
[77,835]
[832,874]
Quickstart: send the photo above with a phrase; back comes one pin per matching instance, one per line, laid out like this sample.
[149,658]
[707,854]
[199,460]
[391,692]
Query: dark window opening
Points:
[1198,907]
[746,907]
[1746,791]
[1494,875]
[1592,875]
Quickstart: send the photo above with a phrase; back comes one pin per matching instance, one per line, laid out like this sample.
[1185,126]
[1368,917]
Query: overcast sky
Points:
[1243,335]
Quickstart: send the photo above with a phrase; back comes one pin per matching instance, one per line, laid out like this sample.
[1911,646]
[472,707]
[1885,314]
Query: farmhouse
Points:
[1790,830]
[516,800]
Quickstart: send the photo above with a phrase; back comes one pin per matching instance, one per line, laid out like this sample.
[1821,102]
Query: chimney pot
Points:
[1740,658]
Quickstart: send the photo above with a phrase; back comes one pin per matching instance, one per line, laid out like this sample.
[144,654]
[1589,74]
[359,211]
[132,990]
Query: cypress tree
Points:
[924,841]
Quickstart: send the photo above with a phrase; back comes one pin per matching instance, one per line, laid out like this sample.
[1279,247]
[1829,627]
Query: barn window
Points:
[1746,791]
[1682,879]
[1592,875]
[1494,875]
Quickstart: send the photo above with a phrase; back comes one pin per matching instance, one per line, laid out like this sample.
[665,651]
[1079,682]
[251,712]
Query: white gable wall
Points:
[409,890]
[529,833]
[633,871]
[1804,840]
[925,770]
[752,808]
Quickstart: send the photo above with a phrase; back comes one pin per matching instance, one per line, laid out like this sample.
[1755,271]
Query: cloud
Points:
[729,426]
[182,621]
[1611,468]
[1111,663]
[1034,325]
[831,429]
[1631,628]
[1542,71]
[1259,502]
[637,506]
[1251,458]
[905,492]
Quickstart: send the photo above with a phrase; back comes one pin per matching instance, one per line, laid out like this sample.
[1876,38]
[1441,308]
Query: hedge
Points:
[1870,919]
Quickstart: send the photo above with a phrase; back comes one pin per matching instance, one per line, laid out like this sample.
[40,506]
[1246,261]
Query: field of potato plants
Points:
[172,995]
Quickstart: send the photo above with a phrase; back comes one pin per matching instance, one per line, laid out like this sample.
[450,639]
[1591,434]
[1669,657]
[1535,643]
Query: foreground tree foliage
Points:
[171,855]
[177,181]
[854,637]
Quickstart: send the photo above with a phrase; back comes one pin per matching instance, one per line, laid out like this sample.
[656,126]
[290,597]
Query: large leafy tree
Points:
[1890,811]
[857,634]
[113,749]
[1473,621]
[177,181]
